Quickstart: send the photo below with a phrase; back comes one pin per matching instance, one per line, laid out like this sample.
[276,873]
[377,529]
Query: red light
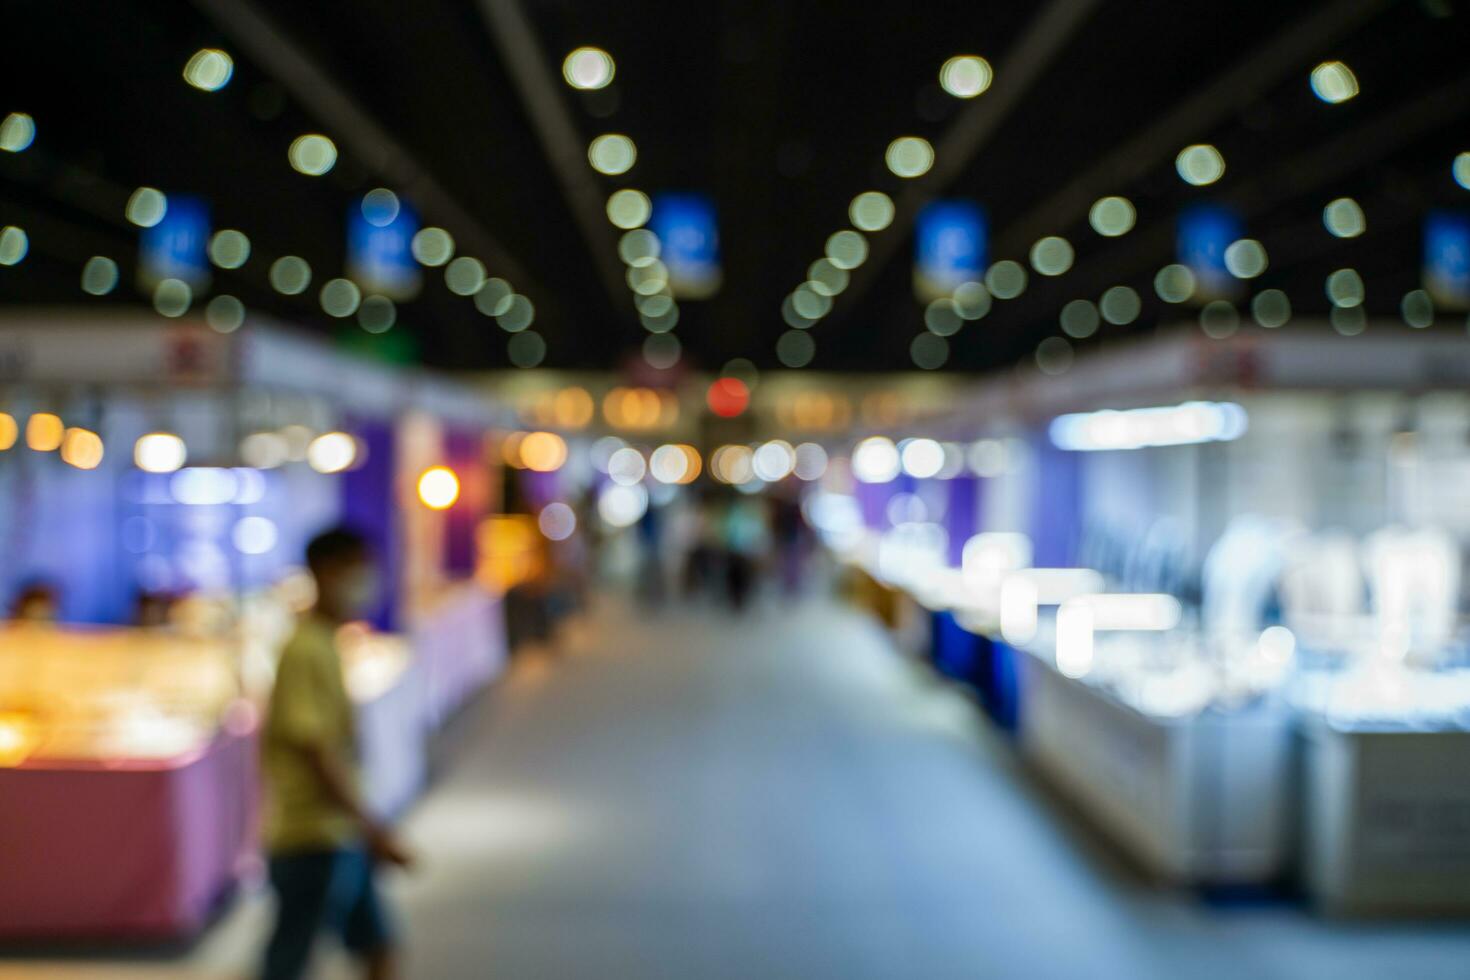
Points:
[728,397]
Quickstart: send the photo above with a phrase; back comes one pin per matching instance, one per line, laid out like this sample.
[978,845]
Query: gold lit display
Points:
[543,452]
[82,448]
[438,488]
[44,432]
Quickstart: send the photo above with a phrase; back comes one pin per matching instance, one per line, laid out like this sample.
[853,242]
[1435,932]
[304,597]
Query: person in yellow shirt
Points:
[322,842]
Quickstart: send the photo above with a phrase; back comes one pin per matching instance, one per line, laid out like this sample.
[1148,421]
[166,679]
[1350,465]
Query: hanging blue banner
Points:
[178,246]
[689,236]
[1447,258]
[1205,231]
[379,247]
[950,248]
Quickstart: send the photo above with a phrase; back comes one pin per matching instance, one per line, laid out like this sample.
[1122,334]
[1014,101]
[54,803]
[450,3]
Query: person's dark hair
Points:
[335,547]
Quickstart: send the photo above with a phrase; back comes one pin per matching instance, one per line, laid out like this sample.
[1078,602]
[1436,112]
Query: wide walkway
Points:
[694,795]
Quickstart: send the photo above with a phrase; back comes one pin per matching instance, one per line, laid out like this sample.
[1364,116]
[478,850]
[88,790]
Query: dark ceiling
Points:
[780,111]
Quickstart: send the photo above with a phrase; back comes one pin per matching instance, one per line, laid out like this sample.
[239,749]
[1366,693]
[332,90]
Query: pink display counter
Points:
[142,852]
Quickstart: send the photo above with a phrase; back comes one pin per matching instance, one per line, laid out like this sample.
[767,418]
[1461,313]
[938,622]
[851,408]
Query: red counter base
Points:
[125,853]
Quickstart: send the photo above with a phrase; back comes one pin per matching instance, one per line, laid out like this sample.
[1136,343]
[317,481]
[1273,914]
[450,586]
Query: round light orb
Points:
[629,208]
[1334,82]
[15,244]
[526,349]
[1054,356]
[846,249]
[1200,164]
[1418,309]
[17,132]
[543,452]
[331,452]
[1245,259]
[661,350]
[255,535]
[929,351]
[612,154]
[432,246]
[1460,169]
[290,275]
[1174,283]
[795,349]
[1219,319]
[160,452]
[495,297]
[621,506]
[380,207]
[811,461]
[654,306]
[209,69]
[1271,308]
[809,303]
[377,314]
[312,154]
[648,280]
[1344,218]
[464,276]
[660,322]
[626,466]
[871,211]
[909,156]
[557,521]
[876,460]
[1112,216]
[773,461]
[1345,288]
[639,247]
[1006,279]
[82,448]
[943,318]
[827,277]
[1349,320]
[224,314]
[171,297]
[1052,255]
[99,275]
[438,488]
[1079,319]
[588,69]
[965,76]
[229,249]
[921,458]
[1120,305]
[518,315]
[971,300]
[340,297]
[146,207]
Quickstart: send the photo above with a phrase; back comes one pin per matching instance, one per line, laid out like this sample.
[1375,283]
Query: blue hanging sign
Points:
[1447,258]
[689,236]
[178,246]
[1205,231]
[379,248]
[950,248]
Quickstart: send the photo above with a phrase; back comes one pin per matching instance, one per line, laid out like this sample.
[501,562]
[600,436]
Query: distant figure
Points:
[152,610]
[35,603]
[322,842]
[746,538]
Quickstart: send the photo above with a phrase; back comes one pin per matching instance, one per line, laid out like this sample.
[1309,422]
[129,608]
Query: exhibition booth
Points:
[1215,588]
[158,483]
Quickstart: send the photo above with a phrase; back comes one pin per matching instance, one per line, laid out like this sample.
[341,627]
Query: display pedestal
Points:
[1387,820]
[1198,799]
[131,852]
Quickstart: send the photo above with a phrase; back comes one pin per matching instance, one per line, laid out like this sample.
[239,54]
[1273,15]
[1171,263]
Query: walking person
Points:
[324,845]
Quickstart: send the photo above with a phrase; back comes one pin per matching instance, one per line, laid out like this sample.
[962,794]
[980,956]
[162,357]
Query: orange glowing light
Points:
[44,432]
[19,737]
[573,408]
[9,431]
[82,448]
[544,452]
[728,397]
[438,488]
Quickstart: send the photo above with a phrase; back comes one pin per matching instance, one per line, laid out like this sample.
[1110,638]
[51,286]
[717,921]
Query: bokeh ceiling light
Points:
[1344,218]
[438,488]
[1079,319]
[662,350]
[1246,258]
[1112,216]
[1174,283]
[380,207]
[432,246]
[146,207]
[377,314]
[312,154]
[1052,255]
[160,452]
[209,69]
[929,351]
[17,132]
[871,211]
[909,156]
[45,432]
[1120,305]
[629,208]
[1345,288]
[965,76]
[290,275]
[1054,356]
[340,298]
[526,349]
[1460,169]
[82,448]
[172,297]
[1334,82]
[494,297]
[15,244]
[464,276]
[229,249]
[1200,164]
[332,452]
[795,349]
[1271,308]
[588,68]
[224,313]
[846,249]
[612,154]
[99,276]
[1006,279]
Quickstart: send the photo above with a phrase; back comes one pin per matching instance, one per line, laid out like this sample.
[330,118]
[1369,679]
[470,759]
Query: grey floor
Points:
[694,795]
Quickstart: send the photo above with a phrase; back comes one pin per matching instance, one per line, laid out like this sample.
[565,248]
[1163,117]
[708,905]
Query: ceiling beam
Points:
[348,121]
[538,83]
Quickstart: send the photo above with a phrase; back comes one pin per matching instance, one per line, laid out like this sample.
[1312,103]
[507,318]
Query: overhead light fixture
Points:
[1140,428]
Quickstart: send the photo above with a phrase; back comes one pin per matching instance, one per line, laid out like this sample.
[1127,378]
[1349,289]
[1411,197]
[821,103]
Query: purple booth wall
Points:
[369,507]
[1056,506]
